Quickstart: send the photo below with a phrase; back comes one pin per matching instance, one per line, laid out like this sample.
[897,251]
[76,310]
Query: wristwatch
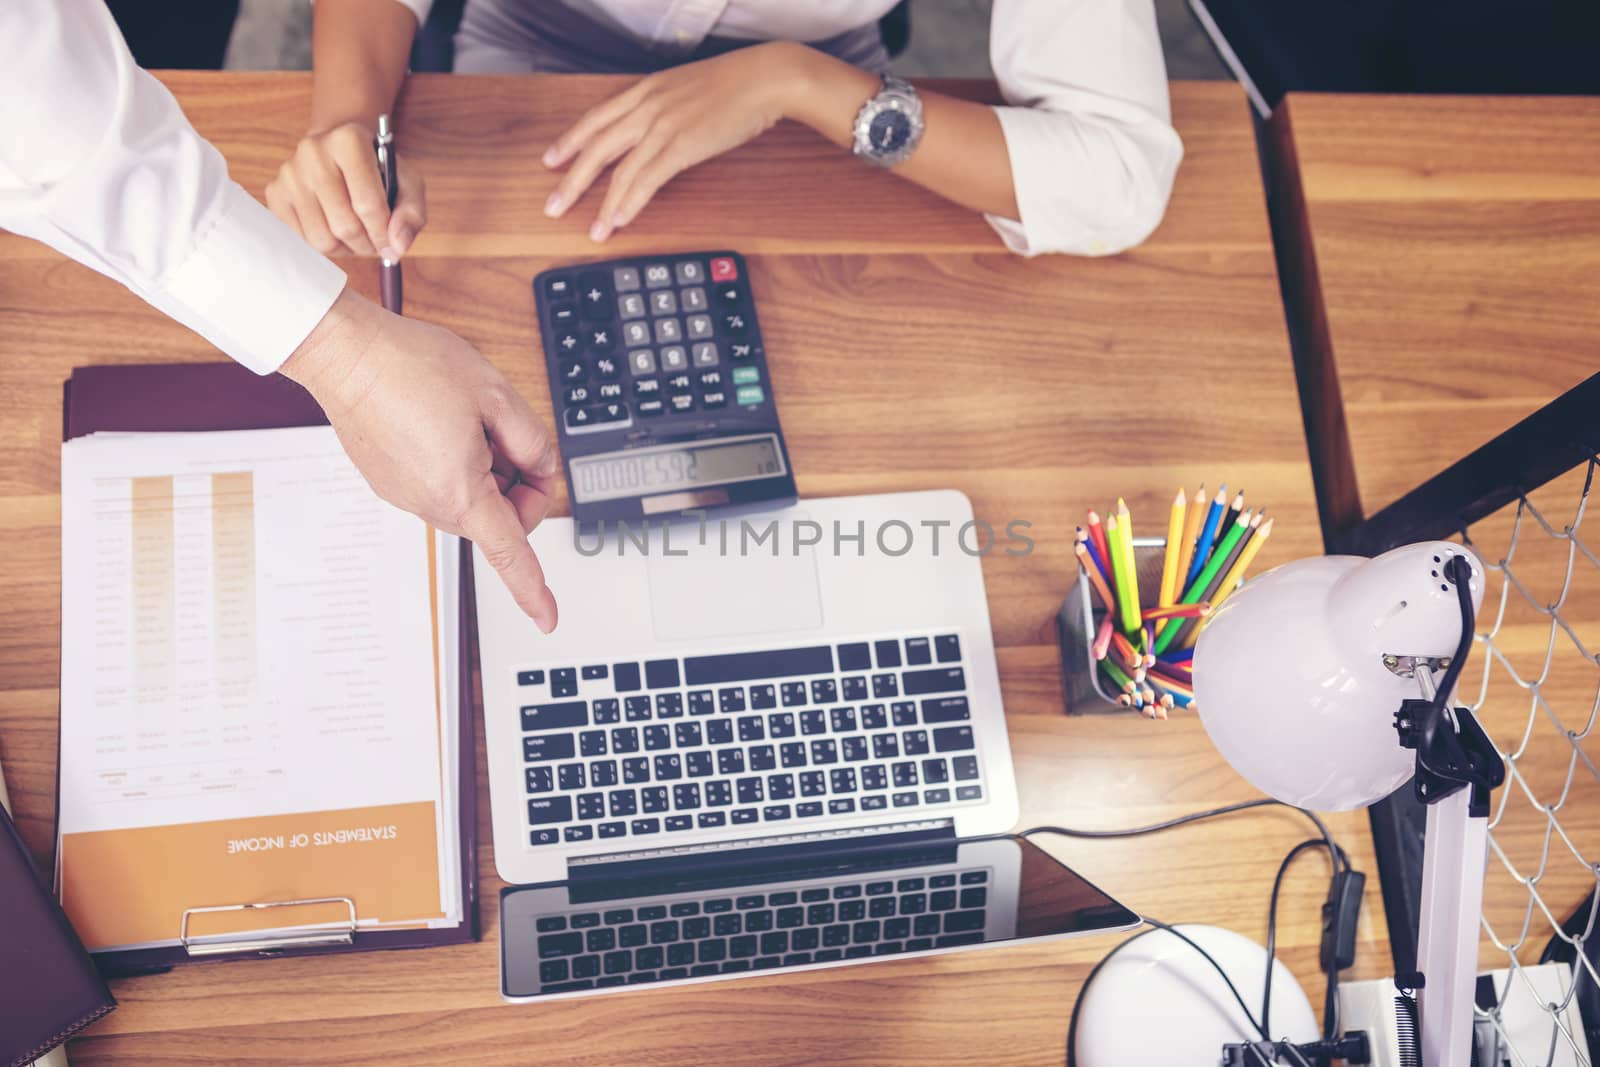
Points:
[889,126]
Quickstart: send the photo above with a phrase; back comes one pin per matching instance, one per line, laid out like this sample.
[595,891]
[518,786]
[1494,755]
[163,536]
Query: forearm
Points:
[962,156]
[360,50]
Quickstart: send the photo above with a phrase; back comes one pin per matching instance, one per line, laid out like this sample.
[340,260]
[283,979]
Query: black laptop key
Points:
[743,946]
[594,671]
[957,922]
[551,971]
[842,780]
[714,950]
[752,728]
[975,896]
[974,877]
[544,747]
[805,939]
[657,737]
[664,931]
[625,677]
[854,749]
[645,826]
[966,768]
[661,674]
[866,931]
[877,889]
[540,779]
[874,717]
[905,713]
[813,721]
[841,806]
[915,742]
[570,776]
[586,966]
[824,691]
[762,758]
[548,923]
[757,921]
[933,680]
[742,816]
[934,771]
[679,822]
[788,918]
[897,929]
[669,705]
[918,652]
[757,666]
[618,916]
[952,739]
[926,925]
[824,751]
[618,962]
[568,944]
[905,800]
[792,753]
[750,792]
[709,819]
[888,653]
[945,709]
[592,743]
[636,709]
[846,892]
[731,700]
[730,761]
[880,907]
[885,746]
[668,766]
[650,957]
[812,895]
[683,908]
[636,770]
[673,974]
[819,914]
[545,810]
[885,686]
[607,710]
[624,739]
[780,786]
[564,682]
[701,702]
[874,803]
[530,677]
[813,784]
[613,829]
[728,923]
[686,796]
[696,927]
[808,810]
[854,688]
[763,697]
[913,903]
[941,881]
[942,900]
[852,910]
[716,905]
[936,796]
[591,806]
[836,935]
[843,720]
[948,648]
[719,732]
[698,763]
[775,943]
[904,774]
[601,939]
[775,812]
[653,799]
[560,716]
[969,792]
[796,959]
[855,657]
[793,693]
[609,980]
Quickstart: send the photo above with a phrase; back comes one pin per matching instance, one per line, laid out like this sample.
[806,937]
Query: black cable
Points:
[1272,920]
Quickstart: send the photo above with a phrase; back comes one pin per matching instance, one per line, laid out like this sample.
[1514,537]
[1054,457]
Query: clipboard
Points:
[196,397]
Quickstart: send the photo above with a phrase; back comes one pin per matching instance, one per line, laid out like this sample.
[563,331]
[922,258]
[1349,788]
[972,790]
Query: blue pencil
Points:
[1208,534]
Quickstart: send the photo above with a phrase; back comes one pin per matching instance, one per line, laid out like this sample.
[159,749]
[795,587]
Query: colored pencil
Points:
[1118,675]
[1102,637]
[1178,655]
[1208,536]
[1171,682]
[1090,571]
[1149,643]
[1233,512]
[1235,574]
[1126,650]
[1127,611]
[1178,611]
[1169,565]
[1097,534]
[1094,553]
[1203,581]
[1191,533]
[1129,586]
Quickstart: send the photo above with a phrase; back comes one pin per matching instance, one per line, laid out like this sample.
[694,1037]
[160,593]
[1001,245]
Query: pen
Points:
[389,281]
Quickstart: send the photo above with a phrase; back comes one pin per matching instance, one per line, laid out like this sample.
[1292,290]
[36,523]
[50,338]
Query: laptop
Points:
[739,715]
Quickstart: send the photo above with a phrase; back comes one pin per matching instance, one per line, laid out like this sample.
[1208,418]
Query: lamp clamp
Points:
[1450,756]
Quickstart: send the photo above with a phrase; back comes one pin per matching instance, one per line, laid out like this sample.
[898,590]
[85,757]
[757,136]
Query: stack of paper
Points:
[258,692]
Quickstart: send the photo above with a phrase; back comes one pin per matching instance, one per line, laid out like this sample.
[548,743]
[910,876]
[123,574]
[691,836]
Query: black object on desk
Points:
[659,380]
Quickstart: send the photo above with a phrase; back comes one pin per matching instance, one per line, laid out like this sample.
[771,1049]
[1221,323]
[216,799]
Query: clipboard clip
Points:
[274,941]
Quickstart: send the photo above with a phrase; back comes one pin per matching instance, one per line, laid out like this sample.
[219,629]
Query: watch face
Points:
[889,131]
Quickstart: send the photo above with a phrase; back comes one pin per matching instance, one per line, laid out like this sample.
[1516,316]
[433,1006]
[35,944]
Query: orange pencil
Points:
[1191,533]
[1098,582]
[1126,650]
[1097,533]
[1178,611]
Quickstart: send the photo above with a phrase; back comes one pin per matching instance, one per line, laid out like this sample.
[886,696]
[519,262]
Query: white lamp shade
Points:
[1289,674]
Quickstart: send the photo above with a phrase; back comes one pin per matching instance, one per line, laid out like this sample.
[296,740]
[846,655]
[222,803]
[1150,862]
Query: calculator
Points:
[658,376]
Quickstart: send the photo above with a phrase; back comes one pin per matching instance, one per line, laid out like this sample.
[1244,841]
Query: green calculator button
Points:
[750,394]
[746,375]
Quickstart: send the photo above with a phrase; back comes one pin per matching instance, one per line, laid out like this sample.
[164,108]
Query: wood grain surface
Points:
[908,350]
[1457,242]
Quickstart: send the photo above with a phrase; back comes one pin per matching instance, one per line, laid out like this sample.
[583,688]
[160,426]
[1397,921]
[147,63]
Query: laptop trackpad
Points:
[748,577]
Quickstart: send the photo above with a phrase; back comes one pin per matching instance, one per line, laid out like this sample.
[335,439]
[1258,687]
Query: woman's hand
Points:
[330,191]
[670,121]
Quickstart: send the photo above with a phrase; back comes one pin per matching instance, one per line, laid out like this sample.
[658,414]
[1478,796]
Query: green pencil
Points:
[1124,683]
[1203,580]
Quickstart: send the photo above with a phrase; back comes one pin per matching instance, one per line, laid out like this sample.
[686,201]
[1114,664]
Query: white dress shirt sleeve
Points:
[98,161]
[1089,130]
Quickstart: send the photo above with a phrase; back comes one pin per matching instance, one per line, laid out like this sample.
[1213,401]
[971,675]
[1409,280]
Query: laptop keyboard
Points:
[603,947]
[646,749]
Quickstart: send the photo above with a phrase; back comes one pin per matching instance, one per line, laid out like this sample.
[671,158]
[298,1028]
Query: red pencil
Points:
[1097,534]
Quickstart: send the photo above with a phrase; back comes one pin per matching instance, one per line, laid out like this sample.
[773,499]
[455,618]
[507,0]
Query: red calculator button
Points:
[724,269]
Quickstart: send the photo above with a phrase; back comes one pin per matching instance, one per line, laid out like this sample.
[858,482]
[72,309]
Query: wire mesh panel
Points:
[1534,683]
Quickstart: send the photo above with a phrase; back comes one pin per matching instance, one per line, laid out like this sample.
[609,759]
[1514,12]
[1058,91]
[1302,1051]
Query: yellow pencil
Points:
[1130,601]
[1191,533]
[1169,567]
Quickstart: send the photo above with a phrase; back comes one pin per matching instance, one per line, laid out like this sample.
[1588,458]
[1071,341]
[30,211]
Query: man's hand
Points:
[438,431]
[331,193]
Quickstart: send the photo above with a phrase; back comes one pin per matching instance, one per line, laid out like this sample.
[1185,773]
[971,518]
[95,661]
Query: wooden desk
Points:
[910,351]
[1449,259]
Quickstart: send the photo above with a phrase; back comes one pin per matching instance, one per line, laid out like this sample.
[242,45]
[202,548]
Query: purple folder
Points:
[225,396]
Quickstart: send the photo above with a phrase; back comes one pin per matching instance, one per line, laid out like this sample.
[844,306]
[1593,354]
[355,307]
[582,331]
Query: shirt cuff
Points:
[251,286]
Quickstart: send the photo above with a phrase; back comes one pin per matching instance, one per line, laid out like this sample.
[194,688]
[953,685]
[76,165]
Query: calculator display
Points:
[641,472]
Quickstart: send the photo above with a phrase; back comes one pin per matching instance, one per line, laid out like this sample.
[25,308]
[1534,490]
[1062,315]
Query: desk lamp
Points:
[1316,683]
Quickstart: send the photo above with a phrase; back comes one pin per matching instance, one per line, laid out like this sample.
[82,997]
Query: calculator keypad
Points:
[639,342]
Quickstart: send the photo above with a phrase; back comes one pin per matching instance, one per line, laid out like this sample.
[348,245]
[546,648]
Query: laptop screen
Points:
[827,906]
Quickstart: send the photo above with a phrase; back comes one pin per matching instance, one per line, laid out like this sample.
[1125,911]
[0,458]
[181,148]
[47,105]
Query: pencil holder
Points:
[1081,683]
